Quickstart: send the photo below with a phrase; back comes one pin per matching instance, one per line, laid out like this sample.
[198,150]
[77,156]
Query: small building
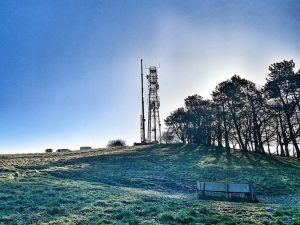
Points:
[63,150]
[85,148]
[49,150]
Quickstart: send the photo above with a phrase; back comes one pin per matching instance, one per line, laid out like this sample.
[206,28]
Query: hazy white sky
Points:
[70,69]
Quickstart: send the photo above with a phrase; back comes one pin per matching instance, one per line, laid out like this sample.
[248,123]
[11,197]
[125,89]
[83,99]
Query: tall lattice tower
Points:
[154,125]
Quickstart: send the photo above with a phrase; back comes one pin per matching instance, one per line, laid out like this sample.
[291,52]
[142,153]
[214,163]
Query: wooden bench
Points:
[234,191]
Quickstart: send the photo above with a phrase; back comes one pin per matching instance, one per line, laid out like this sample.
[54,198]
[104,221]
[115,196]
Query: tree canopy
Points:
[243,116]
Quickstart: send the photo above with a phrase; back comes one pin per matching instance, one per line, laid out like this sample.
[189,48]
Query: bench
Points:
[85,148]
[231,191]
[63,150]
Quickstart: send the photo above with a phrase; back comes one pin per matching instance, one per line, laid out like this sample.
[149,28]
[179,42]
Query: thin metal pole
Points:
[143,139]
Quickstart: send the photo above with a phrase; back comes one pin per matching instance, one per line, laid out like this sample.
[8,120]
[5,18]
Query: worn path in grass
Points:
[144,185]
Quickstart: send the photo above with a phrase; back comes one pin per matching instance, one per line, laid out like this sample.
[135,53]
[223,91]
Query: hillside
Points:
[144,185]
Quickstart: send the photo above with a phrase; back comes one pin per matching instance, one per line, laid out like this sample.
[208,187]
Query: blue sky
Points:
[69,70]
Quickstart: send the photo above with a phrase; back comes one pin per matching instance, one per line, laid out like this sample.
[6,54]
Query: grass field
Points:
[144,185]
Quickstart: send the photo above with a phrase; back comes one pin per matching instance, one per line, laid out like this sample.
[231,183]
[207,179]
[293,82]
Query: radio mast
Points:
[154,125]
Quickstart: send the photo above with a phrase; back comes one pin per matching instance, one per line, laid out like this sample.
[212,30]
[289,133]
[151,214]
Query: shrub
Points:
[116,143]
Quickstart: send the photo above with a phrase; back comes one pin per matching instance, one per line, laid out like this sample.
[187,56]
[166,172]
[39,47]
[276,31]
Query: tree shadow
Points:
[175,169]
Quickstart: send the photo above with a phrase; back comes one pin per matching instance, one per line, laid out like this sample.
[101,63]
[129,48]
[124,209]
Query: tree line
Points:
[243,116]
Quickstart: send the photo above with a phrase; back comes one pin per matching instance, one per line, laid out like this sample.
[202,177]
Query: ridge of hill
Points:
[145,185]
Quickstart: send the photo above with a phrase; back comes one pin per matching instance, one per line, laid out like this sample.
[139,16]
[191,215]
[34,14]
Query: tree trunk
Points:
[256,130]
[284,136]
[227,146]
[291,131]
[219,131]
[238,132]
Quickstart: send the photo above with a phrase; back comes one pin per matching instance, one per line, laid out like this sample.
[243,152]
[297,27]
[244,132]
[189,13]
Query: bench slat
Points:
[224,187]
[213,186]
[241,188]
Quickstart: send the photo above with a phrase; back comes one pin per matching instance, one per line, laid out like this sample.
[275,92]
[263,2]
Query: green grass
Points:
[144,185]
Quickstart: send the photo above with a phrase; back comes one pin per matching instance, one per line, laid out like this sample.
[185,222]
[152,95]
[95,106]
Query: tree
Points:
[219,100]
[231,98]
[282,91]
[116,143]
[177,122]
[239,105]
[168,136]
[199,118]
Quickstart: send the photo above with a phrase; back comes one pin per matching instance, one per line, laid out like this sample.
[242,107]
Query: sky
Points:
[70,72]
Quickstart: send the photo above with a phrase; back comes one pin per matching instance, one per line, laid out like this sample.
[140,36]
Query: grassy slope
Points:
[144,185]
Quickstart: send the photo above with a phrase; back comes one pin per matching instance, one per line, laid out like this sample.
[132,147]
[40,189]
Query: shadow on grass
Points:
[61,201]
[174,169]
